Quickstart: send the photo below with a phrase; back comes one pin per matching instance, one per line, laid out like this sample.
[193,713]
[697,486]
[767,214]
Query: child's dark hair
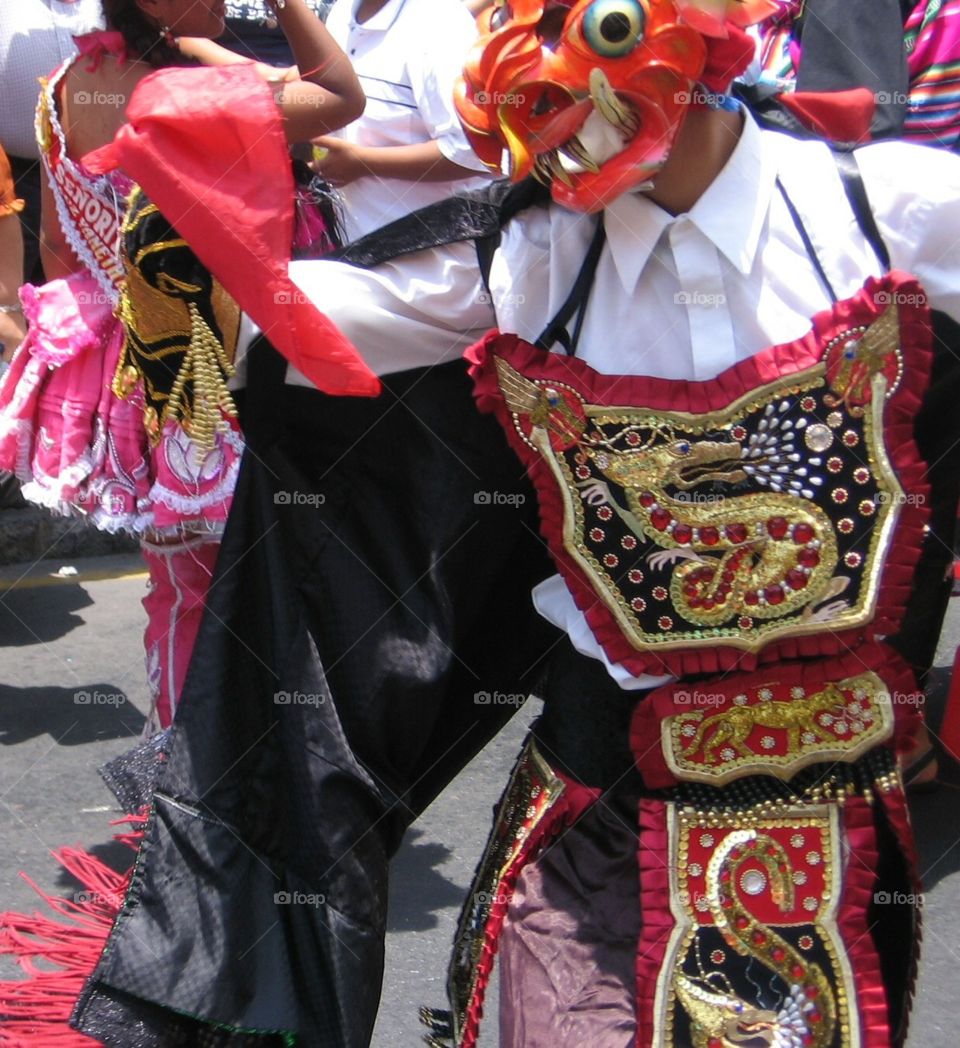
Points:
[142,36]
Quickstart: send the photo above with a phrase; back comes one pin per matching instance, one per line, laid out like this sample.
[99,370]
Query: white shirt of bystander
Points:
[408,57]
[36,36]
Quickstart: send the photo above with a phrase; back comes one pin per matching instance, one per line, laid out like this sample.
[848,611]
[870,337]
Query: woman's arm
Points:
[327,94]
[12,326]
[56,254]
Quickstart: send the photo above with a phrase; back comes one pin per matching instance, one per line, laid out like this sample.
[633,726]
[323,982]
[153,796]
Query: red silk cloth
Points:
[208,148]
[839,116]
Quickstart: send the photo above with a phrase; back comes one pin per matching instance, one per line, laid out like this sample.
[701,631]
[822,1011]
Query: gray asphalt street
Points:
[64,636]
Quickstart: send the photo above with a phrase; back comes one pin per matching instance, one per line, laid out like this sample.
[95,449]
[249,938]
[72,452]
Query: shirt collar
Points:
[730,214]
[381,21]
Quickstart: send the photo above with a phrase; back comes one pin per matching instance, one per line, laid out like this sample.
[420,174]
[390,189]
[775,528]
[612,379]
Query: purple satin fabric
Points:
[569,943]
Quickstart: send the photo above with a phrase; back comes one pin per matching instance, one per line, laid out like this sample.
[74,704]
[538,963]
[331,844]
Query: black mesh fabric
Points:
[132,777]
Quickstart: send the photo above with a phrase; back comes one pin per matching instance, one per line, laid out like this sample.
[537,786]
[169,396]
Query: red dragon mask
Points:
[589,96]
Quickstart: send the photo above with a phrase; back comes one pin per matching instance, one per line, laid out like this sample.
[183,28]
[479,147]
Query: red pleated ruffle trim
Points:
[571,804]
[856,896]
[717,395]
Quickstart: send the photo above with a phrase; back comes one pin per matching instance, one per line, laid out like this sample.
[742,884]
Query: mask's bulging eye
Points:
[613,28]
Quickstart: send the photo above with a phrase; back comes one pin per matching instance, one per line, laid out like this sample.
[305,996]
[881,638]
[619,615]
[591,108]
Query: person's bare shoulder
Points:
[92,102]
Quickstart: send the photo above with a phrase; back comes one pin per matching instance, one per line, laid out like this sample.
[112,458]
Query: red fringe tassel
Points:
[58,953]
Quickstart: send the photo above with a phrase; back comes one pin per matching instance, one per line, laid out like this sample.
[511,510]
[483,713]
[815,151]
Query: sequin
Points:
[753,882]
[817,437]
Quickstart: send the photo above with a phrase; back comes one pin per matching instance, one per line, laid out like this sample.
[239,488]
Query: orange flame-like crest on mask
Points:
[589,97]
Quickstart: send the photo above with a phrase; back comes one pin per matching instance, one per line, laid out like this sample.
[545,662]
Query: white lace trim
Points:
[188,504]
[76,241]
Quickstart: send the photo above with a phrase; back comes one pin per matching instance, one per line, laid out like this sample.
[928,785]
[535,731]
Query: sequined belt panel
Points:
[775,722]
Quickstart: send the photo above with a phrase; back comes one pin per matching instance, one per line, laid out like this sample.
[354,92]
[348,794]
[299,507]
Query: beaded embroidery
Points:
[776,730]
[755,953]
[765,516]
[181,331]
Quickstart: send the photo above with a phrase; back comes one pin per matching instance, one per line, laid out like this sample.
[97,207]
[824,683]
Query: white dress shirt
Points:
[35,37]
[408,57]
[680,297]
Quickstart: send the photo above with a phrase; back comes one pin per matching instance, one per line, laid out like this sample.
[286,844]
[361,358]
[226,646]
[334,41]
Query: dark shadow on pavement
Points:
[39,615]
[417,889]
[70,716]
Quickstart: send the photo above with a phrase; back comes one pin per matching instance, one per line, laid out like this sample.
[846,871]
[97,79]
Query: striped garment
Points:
[932,42]
[932,39]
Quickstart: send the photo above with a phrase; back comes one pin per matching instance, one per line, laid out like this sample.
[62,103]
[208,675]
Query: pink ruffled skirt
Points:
[79,449]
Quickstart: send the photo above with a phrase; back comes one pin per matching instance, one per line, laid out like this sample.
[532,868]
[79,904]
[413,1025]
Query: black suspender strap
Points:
[857,196]
[807,242]
[556,330]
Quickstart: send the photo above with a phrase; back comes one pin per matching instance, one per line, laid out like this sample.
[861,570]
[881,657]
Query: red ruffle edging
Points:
[645,736]
[716,395]
[572,803]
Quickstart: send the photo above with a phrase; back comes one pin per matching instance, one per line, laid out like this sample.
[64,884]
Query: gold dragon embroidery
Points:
[732,727]
[719,1018]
